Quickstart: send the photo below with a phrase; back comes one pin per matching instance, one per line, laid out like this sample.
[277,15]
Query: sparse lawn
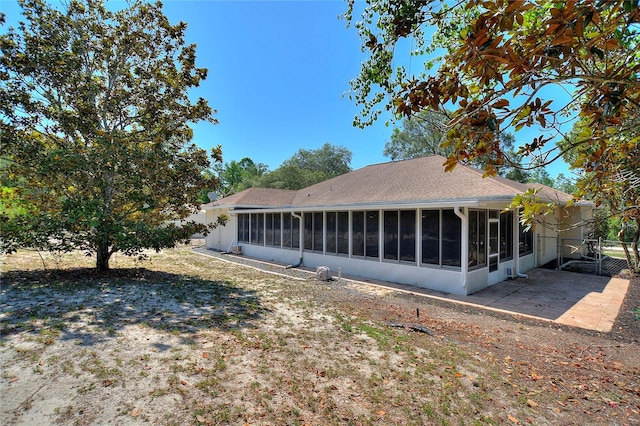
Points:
[188,339]
[618,254]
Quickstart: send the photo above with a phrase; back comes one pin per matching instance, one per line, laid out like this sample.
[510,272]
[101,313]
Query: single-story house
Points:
[404,221]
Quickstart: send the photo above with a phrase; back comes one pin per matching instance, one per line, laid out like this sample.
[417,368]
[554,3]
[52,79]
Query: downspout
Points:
[300,240]
[464,246]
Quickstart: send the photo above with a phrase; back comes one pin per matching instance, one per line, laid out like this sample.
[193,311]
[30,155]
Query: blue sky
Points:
[278,72]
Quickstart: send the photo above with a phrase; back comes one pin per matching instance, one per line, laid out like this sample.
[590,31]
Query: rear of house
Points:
[407,222]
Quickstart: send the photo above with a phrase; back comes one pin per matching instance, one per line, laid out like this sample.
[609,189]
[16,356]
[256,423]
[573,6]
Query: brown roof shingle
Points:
[417,180]
[257,197]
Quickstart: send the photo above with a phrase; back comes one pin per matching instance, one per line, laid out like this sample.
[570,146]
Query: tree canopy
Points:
[420,136]
[328,160]
[424,133]
[236,176]
[533,67]
[518,65]
[95,130]
[307,167]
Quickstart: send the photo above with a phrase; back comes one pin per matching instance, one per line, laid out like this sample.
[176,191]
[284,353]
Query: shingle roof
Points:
[256,197]
[417,180]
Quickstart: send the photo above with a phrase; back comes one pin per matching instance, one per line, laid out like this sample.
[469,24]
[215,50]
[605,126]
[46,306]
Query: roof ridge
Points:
[500,180]
[401,160]
[418,179]
[513,184]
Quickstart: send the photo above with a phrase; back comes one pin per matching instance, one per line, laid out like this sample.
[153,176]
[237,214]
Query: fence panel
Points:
[580,255]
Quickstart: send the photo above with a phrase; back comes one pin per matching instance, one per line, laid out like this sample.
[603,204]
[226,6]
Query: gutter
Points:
[300,240]
[364,206]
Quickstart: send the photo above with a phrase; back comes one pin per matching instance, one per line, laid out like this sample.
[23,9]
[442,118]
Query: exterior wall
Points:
[433,277]
[446,280]
[497,276]
[477,280]
[198,218]
[482,278]
[527,263]
[546,245]
[573,237]
[221,237]
[451,280]
[440,279]
[284,256]
[569,216]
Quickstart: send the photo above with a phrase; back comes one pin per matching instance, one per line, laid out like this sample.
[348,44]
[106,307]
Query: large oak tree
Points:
[424,134]
[307,167]
[236,176]
[95,114]
[421,135]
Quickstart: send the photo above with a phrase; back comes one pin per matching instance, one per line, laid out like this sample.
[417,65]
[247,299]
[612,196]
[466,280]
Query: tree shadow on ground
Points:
[82,305]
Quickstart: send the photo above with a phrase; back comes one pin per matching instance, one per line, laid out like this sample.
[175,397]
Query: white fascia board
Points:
[363,206]
[481,202]
[232,207]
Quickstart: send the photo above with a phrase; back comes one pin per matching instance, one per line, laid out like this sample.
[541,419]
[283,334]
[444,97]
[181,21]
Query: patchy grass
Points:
[189,339]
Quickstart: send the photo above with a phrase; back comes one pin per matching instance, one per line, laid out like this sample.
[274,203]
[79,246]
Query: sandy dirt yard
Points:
[187,339]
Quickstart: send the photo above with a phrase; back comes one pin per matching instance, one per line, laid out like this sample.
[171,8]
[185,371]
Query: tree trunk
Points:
[102,257]
[634,247]
[625,248]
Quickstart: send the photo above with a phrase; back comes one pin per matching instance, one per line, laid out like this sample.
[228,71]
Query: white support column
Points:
[516,240]
[418,236]
[350,233]
[324,232]
[462,213]
[380,235]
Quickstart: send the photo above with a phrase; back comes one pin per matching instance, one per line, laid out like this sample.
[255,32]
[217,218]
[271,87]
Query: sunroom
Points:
[407,222]
[421,246]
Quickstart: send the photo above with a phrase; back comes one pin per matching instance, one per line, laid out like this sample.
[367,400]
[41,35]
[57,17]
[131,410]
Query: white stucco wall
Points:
[435,278]
[527,263]
[197,217]
[284,256]
[573,237]
[546,241]
[561,226]
[477,280]
[441,279]
[221,237]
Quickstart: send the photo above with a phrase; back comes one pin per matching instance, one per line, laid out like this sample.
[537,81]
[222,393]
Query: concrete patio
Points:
[568,298]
